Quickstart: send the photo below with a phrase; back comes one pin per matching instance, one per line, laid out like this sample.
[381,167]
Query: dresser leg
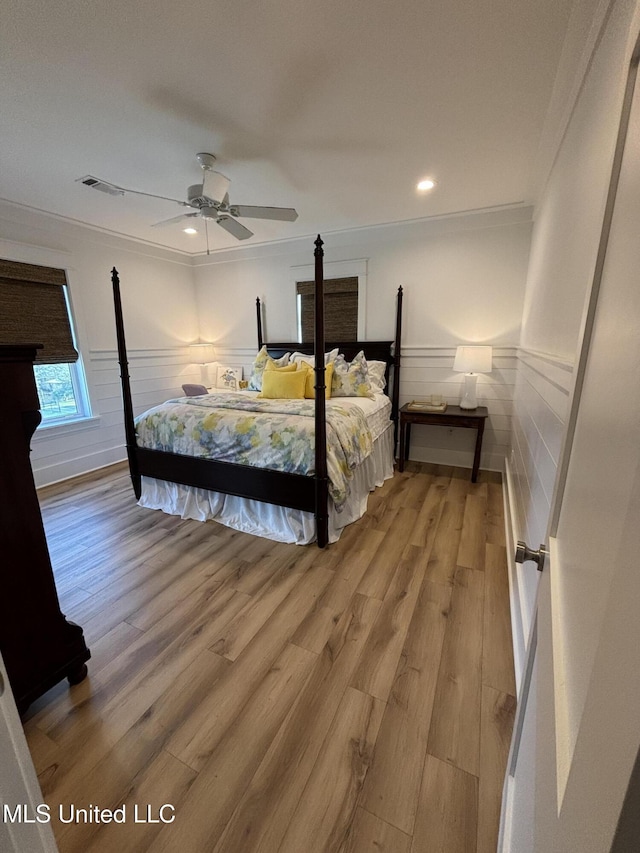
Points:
[77,674]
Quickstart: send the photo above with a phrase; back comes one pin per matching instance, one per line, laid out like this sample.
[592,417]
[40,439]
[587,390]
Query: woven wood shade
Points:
[33,310]
[340,309]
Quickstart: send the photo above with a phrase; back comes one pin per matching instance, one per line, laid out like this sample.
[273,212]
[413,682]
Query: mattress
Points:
[377,411]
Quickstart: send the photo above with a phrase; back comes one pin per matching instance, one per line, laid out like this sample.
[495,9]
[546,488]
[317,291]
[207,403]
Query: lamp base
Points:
[469,399]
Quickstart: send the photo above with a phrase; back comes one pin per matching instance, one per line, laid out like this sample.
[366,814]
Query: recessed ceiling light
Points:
[190,230]
[426,184]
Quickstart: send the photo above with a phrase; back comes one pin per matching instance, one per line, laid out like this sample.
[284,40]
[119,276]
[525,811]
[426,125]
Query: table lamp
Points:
[471,361]
[203,354]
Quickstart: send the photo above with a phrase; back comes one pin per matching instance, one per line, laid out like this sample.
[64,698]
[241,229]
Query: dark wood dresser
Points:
[39,646]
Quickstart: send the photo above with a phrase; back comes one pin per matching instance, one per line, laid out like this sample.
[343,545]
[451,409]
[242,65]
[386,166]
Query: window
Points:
[340,309]
[61,391]
[34,308]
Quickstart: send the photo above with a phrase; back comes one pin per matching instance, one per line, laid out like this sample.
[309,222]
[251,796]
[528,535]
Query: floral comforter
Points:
[275,434]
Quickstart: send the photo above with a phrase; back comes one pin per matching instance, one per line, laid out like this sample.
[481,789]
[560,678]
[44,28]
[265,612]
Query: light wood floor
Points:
[283,699]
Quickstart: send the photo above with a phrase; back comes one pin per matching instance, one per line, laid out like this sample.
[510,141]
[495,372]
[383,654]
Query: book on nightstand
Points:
[426,406]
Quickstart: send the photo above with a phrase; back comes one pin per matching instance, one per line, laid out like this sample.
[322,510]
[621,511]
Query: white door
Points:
[585,697]
[19,829]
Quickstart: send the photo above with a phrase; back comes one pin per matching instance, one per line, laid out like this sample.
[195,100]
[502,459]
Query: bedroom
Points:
[472,277]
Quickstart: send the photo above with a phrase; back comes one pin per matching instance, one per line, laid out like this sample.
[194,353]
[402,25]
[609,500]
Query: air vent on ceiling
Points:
[103,186]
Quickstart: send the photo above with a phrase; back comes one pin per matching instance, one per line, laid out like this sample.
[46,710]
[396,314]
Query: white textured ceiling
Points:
[335,108]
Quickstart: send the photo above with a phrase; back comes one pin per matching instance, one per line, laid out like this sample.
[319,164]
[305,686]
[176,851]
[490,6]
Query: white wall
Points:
[160,319]
[463,279]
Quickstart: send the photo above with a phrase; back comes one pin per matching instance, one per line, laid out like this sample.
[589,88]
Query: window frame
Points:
[80,394]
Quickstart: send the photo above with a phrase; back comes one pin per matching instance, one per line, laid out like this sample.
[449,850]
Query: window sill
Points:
[45,430]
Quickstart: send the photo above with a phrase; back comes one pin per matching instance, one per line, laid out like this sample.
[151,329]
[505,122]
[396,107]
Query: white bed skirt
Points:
[273,522]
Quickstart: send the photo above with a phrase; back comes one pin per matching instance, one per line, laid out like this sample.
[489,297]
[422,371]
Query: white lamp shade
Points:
[473,359]
[203,353]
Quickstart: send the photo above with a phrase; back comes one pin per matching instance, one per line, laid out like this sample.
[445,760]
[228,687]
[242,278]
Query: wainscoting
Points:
[540,406]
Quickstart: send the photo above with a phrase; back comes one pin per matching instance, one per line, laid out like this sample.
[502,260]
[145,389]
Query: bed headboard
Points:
[373,350]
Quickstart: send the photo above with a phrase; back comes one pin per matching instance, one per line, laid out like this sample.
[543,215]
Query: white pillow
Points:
[299,357]
[377,378]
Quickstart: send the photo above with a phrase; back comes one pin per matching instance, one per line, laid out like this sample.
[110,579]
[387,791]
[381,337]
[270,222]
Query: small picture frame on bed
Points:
[228,377]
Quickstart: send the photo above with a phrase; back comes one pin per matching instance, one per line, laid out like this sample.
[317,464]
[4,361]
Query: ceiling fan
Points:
[210,200]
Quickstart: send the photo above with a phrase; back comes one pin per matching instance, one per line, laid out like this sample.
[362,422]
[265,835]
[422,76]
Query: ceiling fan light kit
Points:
[210,199]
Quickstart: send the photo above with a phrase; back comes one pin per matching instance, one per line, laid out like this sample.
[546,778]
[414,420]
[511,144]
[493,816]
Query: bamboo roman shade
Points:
[33,310]
[340,309]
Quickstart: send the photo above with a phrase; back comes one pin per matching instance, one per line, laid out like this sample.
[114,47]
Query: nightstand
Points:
[453,416]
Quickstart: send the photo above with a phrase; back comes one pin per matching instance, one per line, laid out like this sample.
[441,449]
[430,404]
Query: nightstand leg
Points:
[403,427]
[408,442]
[476,456]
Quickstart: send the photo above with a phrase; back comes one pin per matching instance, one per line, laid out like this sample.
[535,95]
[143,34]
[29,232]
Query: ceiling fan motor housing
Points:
[196,197]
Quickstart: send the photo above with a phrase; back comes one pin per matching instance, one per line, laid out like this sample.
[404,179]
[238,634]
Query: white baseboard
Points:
[50,474]
[457,458]
[504,836]
[517,627]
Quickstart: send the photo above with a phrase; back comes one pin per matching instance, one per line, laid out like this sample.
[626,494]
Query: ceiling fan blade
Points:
[175,219]
[285,214]
[215,185]
[115,189]
[153,195]
[234,227]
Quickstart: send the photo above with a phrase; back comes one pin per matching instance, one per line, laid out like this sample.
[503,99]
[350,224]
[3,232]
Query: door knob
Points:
[524,554]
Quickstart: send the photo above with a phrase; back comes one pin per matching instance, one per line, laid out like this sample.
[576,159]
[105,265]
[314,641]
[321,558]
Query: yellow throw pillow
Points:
[310,391]
[283,385]
[271,367]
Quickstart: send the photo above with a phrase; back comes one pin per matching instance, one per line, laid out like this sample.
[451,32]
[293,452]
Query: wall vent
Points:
[103,186]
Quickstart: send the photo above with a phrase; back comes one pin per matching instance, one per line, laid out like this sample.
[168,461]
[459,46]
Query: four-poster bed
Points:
[309,492]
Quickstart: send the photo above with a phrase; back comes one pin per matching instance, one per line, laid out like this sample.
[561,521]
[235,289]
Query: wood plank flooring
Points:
[281,698]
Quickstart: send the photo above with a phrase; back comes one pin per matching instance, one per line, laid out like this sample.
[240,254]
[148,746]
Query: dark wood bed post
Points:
[396,369]
[259,319]
[129,425]
[322,482]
